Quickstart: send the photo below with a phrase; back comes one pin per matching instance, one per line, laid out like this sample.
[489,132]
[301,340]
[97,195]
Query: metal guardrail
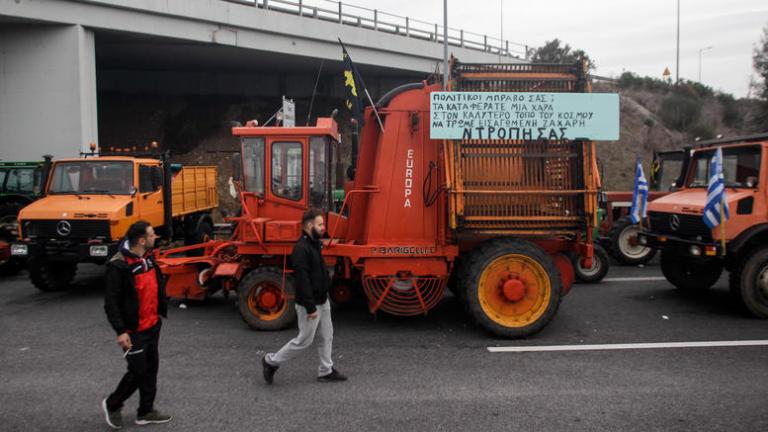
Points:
[376,20]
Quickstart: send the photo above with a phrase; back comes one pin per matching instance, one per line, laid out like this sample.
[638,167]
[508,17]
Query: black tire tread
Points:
[274,274]
[600,254]
[614,248]
[753,262]
[698,281]
[51,276]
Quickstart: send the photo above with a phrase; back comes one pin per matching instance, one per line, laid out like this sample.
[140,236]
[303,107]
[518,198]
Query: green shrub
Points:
[703,131]
[680,112]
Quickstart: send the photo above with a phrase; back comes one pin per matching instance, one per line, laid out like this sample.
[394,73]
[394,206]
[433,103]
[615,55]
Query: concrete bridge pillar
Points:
[47,90]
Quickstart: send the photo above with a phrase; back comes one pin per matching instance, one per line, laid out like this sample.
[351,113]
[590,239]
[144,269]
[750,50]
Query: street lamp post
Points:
[701,59]
[677,56]
[445,44]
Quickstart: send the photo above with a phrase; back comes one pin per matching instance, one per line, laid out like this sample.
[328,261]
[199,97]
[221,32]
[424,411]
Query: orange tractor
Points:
[493,220]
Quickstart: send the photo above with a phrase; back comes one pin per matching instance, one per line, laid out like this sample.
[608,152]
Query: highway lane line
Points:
[605,347]
[635,279]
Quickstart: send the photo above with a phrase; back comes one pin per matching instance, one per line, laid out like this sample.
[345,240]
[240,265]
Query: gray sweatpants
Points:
[322,327]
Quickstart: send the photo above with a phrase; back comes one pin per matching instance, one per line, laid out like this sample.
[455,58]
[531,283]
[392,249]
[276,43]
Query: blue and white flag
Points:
[716,192]
[640,195]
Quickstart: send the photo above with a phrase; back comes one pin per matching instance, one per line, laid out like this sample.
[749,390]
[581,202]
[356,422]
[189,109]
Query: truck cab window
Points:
[318,173]
[22,180]
[253,165]
[739,165]
[287,181]
[92,177]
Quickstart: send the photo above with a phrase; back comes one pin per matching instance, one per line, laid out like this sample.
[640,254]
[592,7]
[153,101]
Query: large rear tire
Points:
[512,287]
[50,275]
[753,285]
[623,243]
[688,274]
[263,305]
[600,266]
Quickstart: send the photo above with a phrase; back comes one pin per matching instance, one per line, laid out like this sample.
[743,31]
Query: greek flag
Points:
[640,195]
[715,192]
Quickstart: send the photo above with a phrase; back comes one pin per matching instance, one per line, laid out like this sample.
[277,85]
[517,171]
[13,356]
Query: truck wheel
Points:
[624,248]
[687,274]
[8,233]
[597,272]
[51,276]
[262,303]
[202,234]
[513,287]
[754,283]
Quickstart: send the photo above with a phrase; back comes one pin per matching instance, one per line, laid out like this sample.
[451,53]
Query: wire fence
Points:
[376,20]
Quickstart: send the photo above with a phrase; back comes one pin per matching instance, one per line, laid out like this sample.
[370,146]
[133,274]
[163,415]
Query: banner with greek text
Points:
[529,116]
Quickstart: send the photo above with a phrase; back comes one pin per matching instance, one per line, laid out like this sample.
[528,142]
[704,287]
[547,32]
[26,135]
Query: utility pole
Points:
[677,61]
[445,44]
[501,39]
[701,59]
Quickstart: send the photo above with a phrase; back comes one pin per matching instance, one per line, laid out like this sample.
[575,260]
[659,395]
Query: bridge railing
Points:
[376,20]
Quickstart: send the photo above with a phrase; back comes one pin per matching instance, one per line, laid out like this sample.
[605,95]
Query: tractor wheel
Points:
[600,266]
[8,233]
[263,305]
[512,288]
[687,274]
[51,276]
[202,234]
[754,283]
[622,241]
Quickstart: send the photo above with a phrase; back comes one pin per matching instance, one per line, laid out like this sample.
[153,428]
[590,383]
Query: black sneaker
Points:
[269,370]
[334,376]
[153,417]
[114,418]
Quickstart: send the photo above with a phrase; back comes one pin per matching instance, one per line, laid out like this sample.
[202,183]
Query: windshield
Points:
[741,167]
[92,177]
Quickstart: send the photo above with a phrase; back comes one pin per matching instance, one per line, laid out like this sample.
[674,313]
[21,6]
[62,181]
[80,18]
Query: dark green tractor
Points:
[20,184]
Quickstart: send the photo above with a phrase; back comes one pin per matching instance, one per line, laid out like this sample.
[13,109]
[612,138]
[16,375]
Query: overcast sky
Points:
[619,35]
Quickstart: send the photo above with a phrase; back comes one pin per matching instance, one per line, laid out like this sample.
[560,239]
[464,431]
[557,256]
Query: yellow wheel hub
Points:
[514,290]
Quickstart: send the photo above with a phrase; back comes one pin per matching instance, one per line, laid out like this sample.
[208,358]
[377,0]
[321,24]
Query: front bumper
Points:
[67,251]
[690,248]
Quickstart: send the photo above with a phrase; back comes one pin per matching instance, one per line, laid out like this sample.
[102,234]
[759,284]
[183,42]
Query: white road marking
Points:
[740,343]
[635,279]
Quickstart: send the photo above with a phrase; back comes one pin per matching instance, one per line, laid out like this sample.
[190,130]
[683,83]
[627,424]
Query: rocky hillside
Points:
[656,116]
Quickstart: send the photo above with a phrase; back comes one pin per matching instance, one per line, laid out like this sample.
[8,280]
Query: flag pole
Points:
[722,221]
[375,112]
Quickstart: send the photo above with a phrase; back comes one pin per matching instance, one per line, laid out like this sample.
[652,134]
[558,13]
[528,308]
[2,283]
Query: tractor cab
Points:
[283,171]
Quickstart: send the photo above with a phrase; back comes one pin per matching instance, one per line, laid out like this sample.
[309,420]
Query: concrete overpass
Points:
[56,56]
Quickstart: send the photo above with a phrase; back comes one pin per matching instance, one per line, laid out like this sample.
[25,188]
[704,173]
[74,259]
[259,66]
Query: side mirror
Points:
[236,167]
[133,191]
[751,181]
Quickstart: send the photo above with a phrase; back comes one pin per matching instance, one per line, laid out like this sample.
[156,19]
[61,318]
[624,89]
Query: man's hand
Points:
[124,341]
[313,315]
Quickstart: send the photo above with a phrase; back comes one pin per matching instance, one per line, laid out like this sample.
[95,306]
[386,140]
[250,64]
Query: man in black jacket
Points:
[134,301]
[313,309]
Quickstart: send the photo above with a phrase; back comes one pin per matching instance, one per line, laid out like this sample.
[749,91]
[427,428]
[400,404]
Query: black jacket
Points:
[310,275]
[121,302]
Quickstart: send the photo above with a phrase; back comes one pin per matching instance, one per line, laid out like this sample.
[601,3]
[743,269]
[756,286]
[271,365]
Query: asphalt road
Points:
[58,360]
